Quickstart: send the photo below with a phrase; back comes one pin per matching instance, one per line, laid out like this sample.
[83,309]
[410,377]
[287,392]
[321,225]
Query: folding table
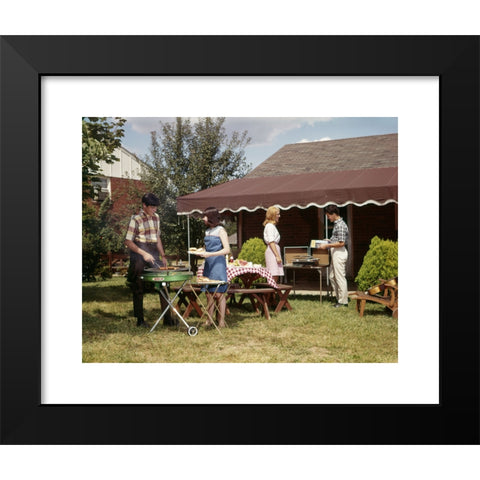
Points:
[202,283]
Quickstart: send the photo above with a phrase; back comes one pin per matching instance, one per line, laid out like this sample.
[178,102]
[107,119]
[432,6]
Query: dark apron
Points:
[135,269]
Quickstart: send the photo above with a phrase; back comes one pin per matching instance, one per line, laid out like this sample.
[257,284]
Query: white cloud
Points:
[306,140]
[262,130]
[145,125]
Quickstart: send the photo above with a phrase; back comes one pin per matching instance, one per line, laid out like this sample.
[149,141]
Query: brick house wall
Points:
[368,221]
[298,226]
[126,195]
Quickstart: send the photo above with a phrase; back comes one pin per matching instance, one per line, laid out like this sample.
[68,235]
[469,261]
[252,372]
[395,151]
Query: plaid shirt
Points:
[143,228]
[340,232]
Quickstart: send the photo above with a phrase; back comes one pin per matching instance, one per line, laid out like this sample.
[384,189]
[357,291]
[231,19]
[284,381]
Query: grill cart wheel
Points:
[192,331]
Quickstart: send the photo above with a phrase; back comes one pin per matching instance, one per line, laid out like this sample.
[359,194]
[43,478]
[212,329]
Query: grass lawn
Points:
[312,332]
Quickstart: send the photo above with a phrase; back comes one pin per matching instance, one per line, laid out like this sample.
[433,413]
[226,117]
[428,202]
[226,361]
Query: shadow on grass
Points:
[311,298]
[233,320]
[103,321]
[100,293]
[103,314]
[376,312]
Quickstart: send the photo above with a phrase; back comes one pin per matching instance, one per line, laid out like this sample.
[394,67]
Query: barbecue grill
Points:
[305,261]
[318,260]
[161,278]
[166,275]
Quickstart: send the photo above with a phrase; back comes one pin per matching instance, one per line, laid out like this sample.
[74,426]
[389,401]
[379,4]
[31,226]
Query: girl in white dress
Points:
[271,237]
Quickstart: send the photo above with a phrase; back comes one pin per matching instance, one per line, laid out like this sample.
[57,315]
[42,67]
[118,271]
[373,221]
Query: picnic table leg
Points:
[182,300]
[262,300]
[266,311]
[193,305]
[283,300]
[252,300]
[188,299]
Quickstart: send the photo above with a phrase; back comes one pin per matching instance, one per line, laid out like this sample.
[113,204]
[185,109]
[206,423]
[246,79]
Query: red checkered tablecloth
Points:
[260,272]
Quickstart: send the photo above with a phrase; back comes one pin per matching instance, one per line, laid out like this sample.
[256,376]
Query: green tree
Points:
[186,157]
[100,137]
[98,238]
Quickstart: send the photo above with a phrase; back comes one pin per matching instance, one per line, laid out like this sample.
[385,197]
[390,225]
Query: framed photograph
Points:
[49,397]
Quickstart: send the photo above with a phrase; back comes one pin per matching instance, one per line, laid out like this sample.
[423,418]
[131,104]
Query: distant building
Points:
[121,181]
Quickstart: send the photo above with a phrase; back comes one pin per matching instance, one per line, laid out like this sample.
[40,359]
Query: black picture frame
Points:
[454,59]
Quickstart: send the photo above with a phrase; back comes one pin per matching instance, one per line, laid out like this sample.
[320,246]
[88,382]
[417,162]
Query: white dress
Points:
[271,234]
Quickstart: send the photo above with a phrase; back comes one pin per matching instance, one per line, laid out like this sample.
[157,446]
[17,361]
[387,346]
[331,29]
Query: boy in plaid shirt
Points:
[339,254]
[145,245]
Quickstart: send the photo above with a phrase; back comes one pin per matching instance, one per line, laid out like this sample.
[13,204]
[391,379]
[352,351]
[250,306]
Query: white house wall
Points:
[127,167]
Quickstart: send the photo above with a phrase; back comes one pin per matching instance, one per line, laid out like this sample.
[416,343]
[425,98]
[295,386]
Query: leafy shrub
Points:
[253,250]
[105,272]
[98,238]
[381,261]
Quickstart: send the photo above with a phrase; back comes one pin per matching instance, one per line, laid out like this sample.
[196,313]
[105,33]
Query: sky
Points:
[268,134]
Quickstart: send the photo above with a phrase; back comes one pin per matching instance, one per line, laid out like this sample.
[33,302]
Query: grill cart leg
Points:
[192,331]
[171,305]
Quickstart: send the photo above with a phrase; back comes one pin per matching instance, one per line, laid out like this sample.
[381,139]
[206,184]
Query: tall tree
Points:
[185,158]
[100,137]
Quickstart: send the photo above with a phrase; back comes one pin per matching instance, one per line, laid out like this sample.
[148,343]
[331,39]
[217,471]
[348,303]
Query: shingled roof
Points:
[376,151]
[356,171]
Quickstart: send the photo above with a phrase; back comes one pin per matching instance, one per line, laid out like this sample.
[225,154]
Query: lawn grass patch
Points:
[312,332]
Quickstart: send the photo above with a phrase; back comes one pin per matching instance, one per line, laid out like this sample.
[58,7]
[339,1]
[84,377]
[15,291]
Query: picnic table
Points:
[259,295]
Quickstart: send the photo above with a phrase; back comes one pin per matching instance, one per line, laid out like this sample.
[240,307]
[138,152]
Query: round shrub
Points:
[380,261]
[253,250]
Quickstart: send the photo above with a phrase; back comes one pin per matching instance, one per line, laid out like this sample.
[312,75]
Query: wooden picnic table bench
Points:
[387,296]
[283,291]
[257,296]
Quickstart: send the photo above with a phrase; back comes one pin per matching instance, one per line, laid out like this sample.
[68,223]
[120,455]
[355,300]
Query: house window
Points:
[102,189]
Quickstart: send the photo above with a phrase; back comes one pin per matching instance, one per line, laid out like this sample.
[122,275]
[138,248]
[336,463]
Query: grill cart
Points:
[162,278]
